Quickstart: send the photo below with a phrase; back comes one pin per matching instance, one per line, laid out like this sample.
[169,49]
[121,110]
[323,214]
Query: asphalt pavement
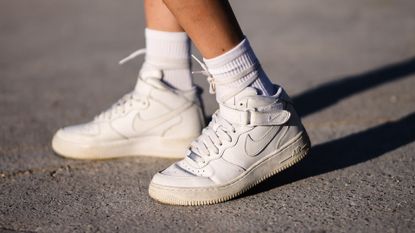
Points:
[349,66]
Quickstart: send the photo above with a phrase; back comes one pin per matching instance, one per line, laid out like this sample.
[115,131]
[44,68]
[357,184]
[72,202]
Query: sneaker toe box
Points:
[175,176]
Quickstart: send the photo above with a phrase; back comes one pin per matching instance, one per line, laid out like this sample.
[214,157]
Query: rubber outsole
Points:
[146,147]
[276,163]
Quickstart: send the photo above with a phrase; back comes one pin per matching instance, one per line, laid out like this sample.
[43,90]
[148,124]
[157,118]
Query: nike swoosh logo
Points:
[254,147]
[132,124]
[140,125]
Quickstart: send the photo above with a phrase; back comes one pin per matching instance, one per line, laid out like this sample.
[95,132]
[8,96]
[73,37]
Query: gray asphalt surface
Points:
[349,65]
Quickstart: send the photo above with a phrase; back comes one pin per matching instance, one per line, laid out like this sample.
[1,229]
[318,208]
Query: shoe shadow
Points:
[344,152]
[328,94]
[355,148]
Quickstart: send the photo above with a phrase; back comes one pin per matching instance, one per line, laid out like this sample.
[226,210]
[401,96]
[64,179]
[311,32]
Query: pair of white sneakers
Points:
[249,139]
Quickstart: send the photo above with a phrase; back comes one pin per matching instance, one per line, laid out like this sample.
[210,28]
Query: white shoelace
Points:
[205,72]
[213,81]
[123,105]
[132,56]
[128,101]
[213,137]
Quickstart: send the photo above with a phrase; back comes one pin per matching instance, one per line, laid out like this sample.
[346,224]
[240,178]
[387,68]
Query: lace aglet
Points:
[132,56]
[123,61]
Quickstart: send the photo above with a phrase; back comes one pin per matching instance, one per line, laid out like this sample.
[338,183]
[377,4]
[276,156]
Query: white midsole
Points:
[142,146]
[256,173]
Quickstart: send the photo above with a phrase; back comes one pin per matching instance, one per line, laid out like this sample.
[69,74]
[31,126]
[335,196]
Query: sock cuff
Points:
[233,62]
[237,69]
[243,47]
[170,53]
[166,36]
[167,49]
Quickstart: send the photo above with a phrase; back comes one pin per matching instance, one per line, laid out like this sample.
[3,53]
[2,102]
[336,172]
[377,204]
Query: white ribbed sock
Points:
[239,61]
[169,52]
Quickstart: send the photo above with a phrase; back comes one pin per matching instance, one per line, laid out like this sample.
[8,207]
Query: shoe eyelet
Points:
[144,104]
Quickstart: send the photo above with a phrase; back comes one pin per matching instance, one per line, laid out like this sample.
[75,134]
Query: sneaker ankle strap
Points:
[253,117]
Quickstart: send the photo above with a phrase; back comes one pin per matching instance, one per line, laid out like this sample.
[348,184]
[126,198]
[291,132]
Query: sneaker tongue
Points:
[148,78]
[151,74]
[150,71]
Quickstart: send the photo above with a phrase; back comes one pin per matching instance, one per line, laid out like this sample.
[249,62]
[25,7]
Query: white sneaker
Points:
[153,120]
[250,138]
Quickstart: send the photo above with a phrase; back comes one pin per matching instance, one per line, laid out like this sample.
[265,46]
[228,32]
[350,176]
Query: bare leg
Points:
[159,17]
[213,28]
[211,24]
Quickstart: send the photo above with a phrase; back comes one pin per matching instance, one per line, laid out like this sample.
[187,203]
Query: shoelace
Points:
[127,102]
[132,56]
[213,136]
[213,82]
[205,72]
[219,129]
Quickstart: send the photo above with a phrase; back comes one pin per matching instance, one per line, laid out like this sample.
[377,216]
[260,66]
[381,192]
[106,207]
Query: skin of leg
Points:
[211,24]
[159,17]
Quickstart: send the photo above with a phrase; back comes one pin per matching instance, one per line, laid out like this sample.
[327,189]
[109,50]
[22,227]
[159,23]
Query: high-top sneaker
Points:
[152,120]
[249,139]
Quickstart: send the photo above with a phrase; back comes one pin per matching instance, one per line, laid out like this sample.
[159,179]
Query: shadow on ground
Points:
[328,94]
[355,148]
[344,152]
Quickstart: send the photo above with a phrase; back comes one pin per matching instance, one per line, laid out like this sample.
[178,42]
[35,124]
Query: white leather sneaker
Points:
[152,120]
[250,138]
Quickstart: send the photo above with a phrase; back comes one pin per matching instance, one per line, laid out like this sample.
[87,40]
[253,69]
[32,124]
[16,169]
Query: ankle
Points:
[237,69]
[170,53]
